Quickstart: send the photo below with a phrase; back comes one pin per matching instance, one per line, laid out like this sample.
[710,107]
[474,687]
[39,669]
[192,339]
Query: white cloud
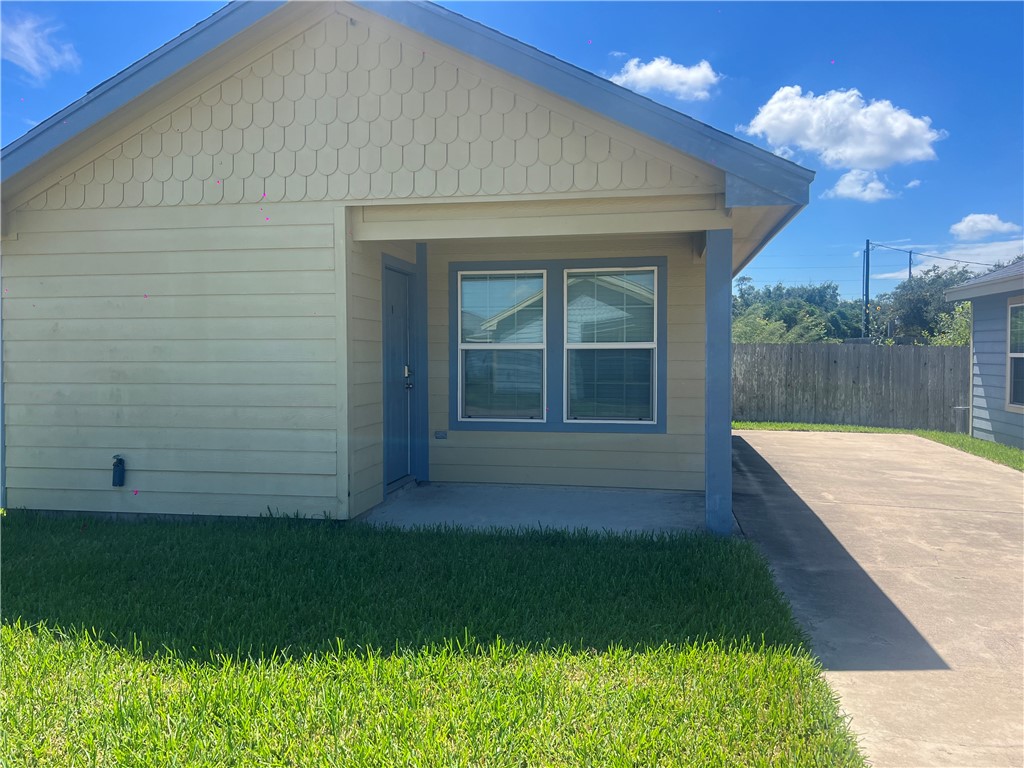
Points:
[843,130]
[662,74]
[913,184]
[860,185]
[617,54]
[977,226]
[981,256]
[28,43]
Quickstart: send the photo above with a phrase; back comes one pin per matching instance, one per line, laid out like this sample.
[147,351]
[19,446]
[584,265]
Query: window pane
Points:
[611,384]
[1017,329]
[1017,380]
[503,308]
[608,307]
[502,384]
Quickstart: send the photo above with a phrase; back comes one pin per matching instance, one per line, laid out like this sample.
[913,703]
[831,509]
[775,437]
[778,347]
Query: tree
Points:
[954,330]
[914,306]
[751,327]
[777,314]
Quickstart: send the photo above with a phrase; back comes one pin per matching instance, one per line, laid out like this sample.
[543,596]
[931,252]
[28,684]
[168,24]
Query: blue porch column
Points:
[718,382]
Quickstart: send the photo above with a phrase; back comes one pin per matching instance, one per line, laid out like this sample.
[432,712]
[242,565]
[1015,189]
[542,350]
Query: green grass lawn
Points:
[997,452]
[277,642]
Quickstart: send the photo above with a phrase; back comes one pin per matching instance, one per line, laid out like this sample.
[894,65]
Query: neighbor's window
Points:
[1016,362]
[501,345]
[610,343]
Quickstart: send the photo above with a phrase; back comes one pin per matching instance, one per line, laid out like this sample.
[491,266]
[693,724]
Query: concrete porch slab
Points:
[540,506]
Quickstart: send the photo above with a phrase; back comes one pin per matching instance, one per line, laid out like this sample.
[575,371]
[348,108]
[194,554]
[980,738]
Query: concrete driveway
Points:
[903,560]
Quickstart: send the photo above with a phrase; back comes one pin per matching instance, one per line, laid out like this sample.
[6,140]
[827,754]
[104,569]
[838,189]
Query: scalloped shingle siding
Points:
[344,112]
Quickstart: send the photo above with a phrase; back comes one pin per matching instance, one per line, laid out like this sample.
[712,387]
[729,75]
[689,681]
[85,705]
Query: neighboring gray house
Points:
[997,353]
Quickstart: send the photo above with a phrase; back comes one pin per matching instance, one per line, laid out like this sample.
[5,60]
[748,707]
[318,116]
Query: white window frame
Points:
[542,346]
[567,346]
[1016,302]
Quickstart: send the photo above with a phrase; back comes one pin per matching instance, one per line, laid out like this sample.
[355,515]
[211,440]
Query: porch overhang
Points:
[752,226]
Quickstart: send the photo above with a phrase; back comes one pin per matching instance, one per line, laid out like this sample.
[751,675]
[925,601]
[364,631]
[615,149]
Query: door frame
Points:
[419,446]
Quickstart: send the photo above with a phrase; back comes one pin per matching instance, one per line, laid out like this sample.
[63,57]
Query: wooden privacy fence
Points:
[876,386]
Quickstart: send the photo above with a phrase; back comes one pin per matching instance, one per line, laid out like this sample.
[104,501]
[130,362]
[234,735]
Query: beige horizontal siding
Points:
[227,395]
[587,458]
[71,372]
[171,350]
[199,344]
[166,286]
[674,460]
[182,262]
[158,502]
[137,236]
[167,329]
[581,442]
[159,416]
[152,305]
[284,462]
[162,480]
[599,478]
[227,441]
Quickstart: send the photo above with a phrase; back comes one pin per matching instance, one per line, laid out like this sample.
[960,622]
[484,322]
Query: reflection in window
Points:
[501,345]
[502,384]
[611,384]
[610,343]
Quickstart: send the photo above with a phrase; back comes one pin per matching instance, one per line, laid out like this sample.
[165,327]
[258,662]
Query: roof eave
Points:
[1008,284]
[779,226]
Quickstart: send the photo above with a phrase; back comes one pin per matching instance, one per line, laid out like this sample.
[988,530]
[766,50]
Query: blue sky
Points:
[912,114]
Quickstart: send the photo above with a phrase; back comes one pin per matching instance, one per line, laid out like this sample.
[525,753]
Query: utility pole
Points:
[910,263]
[867,269]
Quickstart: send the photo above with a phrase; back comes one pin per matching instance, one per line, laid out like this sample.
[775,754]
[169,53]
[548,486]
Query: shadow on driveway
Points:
[852,623]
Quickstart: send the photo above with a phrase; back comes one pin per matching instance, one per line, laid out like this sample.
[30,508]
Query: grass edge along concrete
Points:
[986,449]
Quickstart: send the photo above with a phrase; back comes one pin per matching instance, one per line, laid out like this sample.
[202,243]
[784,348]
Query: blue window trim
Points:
[555,362]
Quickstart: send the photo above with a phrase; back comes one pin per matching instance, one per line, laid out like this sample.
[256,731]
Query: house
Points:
[997,353]
[306,252]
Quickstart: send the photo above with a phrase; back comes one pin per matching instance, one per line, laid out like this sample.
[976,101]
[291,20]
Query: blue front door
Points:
[398,376]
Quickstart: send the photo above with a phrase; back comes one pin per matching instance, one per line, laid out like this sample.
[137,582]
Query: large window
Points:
[564,345]
[1015,391]
[501,345]
[610,341]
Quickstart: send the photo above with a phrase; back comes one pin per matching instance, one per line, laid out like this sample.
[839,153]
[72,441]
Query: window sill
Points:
[586,427]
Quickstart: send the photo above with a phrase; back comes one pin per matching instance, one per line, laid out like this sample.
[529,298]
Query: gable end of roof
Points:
[787,182]
[754,176]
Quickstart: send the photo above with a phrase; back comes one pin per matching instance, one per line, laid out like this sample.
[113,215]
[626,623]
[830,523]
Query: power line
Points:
[815,266]
[931,256]
[800,282]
